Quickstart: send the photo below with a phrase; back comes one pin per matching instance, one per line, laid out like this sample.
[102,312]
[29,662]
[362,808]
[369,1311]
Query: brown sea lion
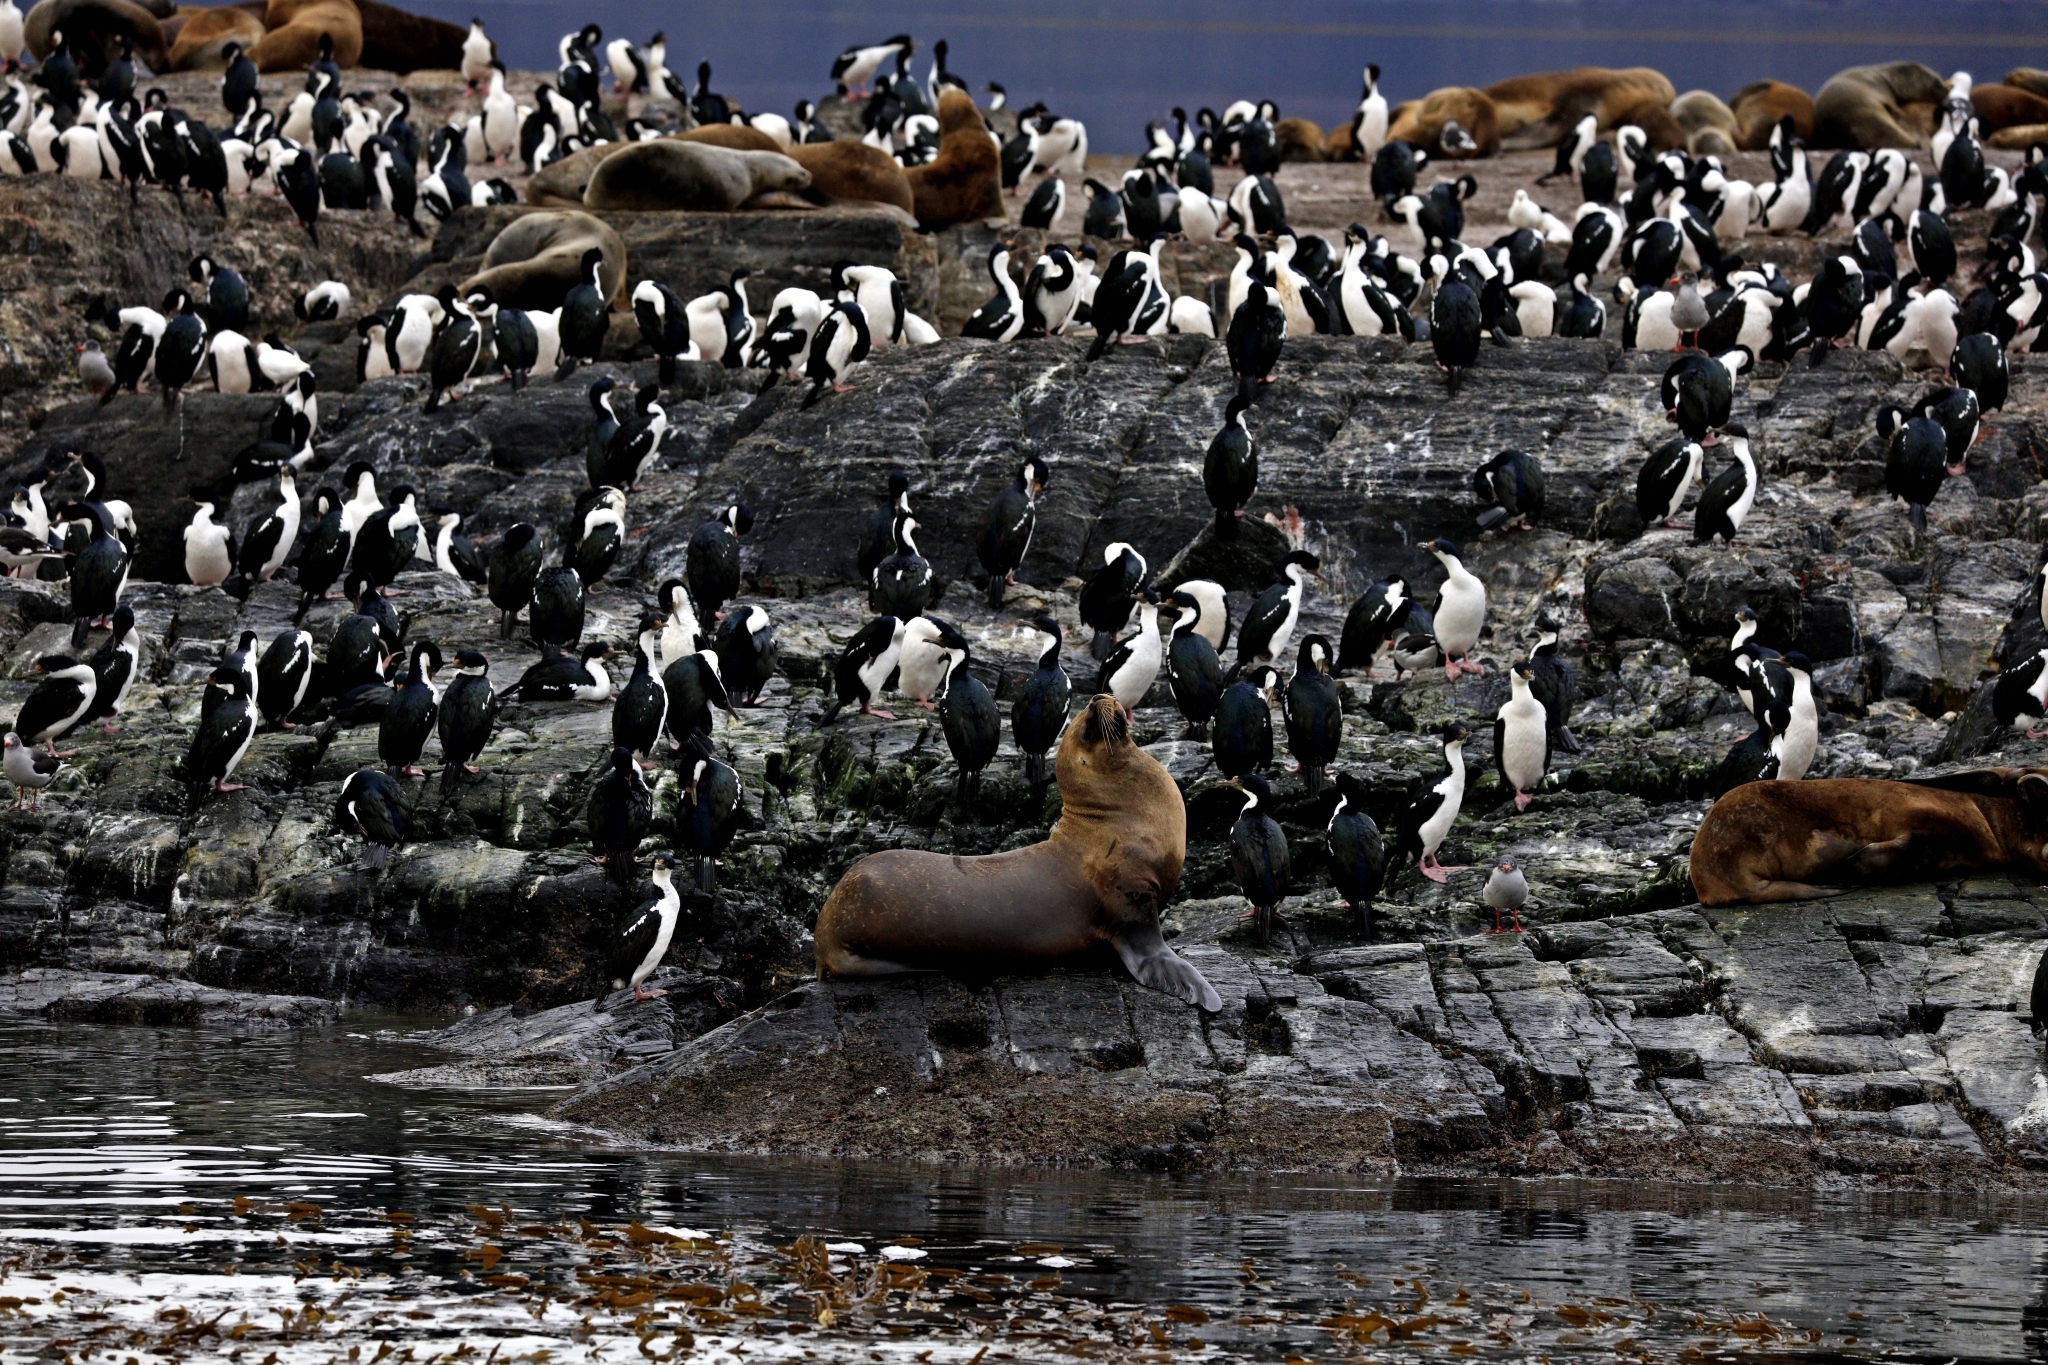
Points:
[397,41]
[94,28]
[2018,138]
[1112,863]
[737,137]
[964,183]
[1788,841]
[1299,139]
[203,36]
[292,42]
[1759,105]
[852,172]
[1709,125]
[539,257]
[2027,79]
[1892,105]
[669,175]
[1421,122]
[1537,111]
[1999,107]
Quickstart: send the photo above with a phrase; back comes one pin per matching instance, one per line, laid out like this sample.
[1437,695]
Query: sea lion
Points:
[203,35]
[853,172]
[295,27]
[1786,841]
[560,184]
[538,258]
[1999,107]
[1892,105]
[669,175]
[94,29]
[1113,861]
[2019,137]
[397,41]
[1709,125]
[1538,110]
[2027,79]
[1300,140]
[964,183]
[1421,122]
[738,137]
[1759,105]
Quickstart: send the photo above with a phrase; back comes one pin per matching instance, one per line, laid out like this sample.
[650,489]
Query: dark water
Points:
[123,1151]
[1117,63]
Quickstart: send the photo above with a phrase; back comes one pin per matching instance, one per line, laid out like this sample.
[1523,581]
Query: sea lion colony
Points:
[1657,204]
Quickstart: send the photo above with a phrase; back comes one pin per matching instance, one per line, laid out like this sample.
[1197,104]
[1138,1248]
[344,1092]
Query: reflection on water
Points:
[138,1162]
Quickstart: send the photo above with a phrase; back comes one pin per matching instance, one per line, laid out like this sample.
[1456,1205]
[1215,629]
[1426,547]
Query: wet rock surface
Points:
[1886,1034]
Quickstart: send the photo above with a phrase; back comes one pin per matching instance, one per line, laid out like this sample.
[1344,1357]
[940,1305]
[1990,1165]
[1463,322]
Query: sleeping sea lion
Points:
[1787,841]
[1892,105]
[1421,122]
[1999,107]
[1537,111]
[538,258]
[668,175]
[203,35]
[1759,105]
[1113,861]
[295,27]
[94,28]
[851,173]
[963,184]
[1709,125]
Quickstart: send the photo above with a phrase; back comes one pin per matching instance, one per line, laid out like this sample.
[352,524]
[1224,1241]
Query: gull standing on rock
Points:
[1506,889]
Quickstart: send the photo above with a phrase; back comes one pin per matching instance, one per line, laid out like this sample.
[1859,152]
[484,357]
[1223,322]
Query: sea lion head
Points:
[957,113]
[1121,809]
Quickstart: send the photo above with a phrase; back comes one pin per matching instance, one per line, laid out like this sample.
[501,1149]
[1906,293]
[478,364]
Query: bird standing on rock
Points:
[1039,715]
[1252,340]
[1315,715]
[1230,470]
[1109,594]
[618,812]
[1521,737]
[1460,611]
[637,948]
[29,771]
[711,563]
[1193,672]
[1431,816]
[1270,623]
[1259,859]
[708,815]
[1506,889]
[1358,854]
[973,728]
[372,808]
[468,713]
[1006,531]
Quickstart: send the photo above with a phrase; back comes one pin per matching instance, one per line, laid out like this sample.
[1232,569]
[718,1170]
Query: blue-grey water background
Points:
[1115,65]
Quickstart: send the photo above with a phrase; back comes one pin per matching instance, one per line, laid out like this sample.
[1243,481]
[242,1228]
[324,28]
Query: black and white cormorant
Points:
[1253,338]
[864,667]
[880,539]
[409,718]
[329,543]
[1429,818]
[1510,490]
[1270,623]
[567,677]
[1358,853]
[468,714]
[708,815]
[1110,593]
[1552,684]
[270,538]
[1194,674]
[1521,737]
[372,808]
[747,653]
[59,702]
[642,941]
[115,666]
[512,574]
[1371,624]
[711,563]
[642,704]
[98,575]
[1230,469]
[220,739]
[1241,735]
[1006,530]
[1315,714]
[1729,495]
[451,551]
[618,811]
[283,675]
[596,534]
[1258,854]
[1039,715]
[388,540]
[555,620]
[973,727]
[586,316]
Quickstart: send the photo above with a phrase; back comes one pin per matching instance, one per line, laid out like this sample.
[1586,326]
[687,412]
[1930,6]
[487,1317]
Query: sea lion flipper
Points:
[1157,966]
